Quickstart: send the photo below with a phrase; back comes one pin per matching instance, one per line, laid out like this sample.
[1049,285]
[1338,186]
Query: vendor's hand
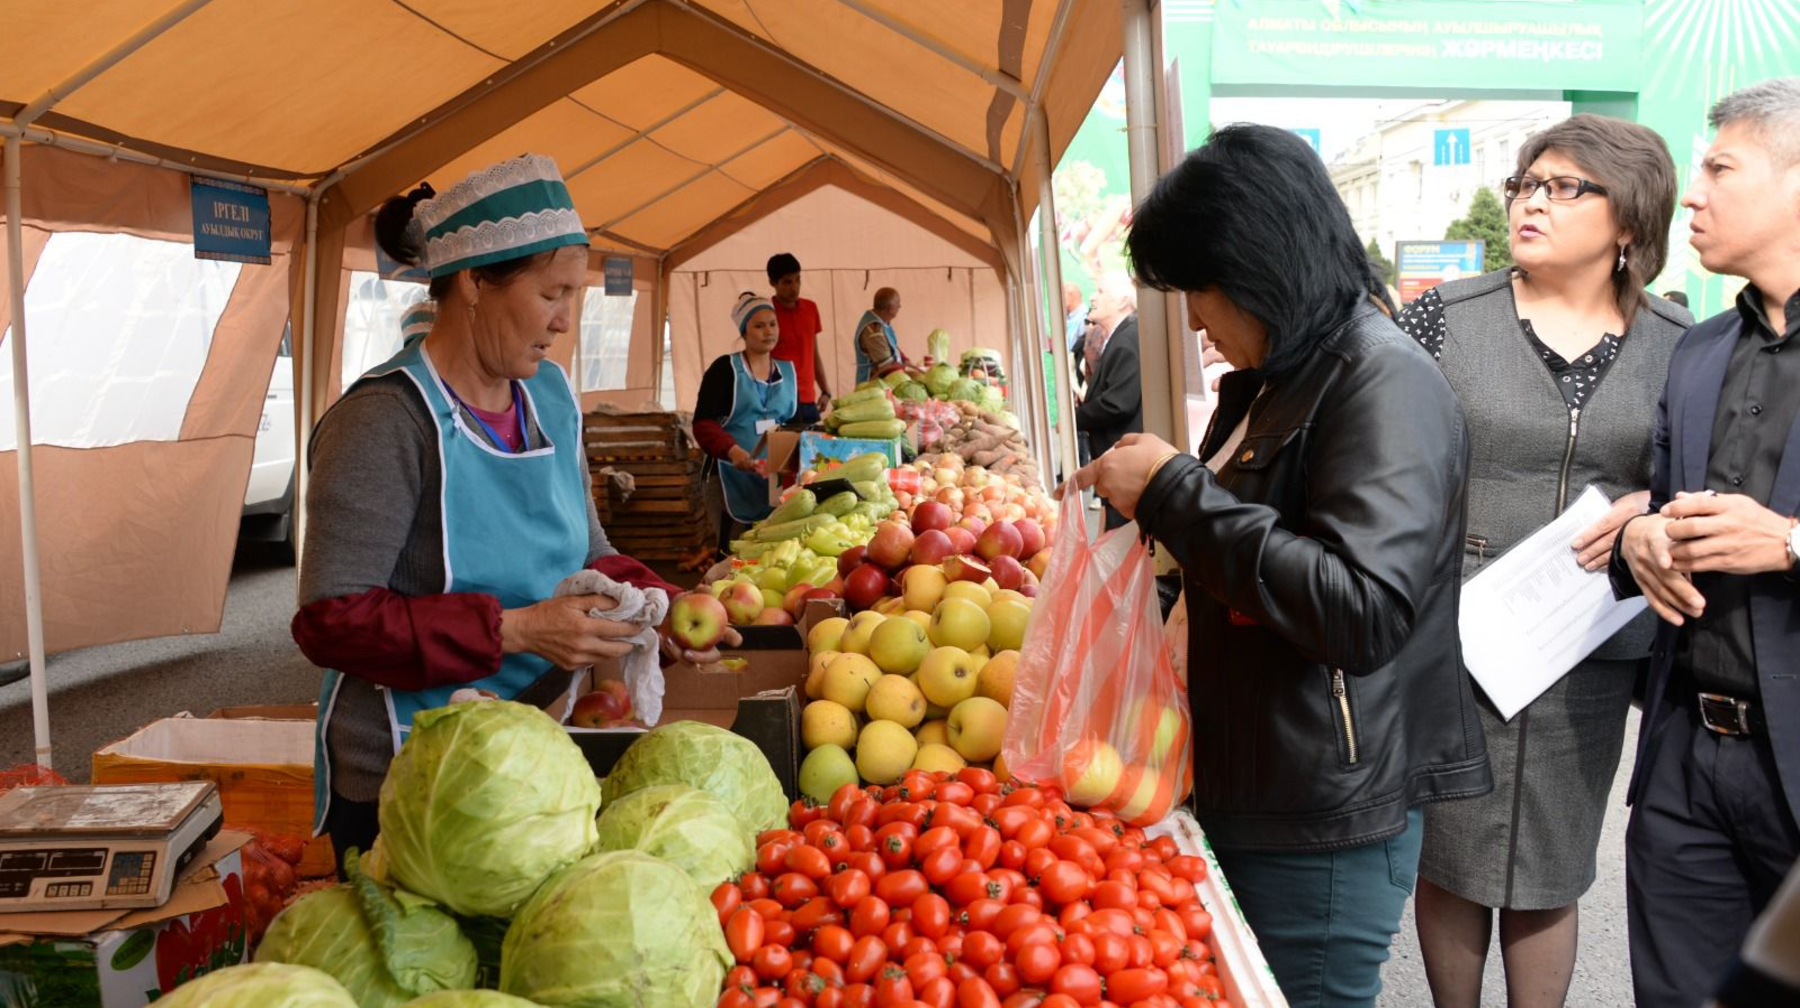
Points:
[746,462]
[675,652]
[561,631]
[1594,546]
[824,402]
[1728,533]
[1123,472]
[1671,594]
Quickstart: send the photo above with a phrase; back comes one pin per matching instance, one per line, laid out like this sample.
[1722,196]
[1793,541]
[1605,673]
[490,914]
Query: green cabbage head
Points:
[261,985]
[703,756]
[685,826]
[939,379]
[616,930]
[470,999]
[484,801]
[967,389]
[384,947]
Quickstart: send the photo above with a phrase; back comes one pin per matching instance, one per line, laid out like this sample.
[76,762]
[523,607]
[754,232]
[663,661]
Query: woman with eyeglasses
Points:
[1559,363]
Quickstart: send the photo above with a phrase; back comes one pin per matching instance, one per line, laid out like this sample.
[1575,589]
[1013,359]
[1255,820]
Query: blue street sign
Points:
[1450,147]
[231,221]
[1311,136]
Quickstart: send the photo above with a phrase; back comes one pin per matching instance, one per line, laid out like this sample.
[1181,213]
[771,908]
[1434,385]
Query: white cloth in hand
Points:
[643,608]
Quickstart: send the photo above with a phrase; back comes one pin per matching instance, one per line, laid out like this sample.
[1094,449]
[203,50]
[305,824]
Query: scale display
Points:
[79,847]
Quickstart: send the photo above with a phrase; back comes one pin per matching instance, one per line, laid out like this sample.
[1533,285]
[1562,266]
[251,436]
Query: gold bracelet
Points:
[1157,467]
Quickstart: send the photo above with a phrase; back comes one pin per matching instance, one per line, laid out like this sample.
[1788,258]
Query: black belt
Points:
[1726,715]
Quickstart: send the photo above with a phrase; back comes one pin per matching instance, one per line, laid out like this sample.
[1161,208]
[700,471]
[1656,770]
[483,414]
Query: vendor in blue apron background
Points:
[449,491]
[743,396]
[877,348]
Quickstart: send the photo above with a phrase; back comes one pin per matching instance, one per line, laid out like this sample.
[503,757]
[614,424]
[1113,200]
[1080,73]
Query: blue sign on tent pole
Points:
[618,276]
[231,221]
[1450,147]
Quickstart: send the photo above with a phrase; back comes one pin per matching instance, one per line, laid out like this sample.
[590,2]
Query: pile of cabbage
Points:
[495,867]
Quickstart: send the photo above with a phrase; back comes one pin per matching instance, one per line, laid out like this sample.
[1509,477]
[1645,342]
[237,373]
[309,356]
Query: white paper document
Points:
[1531,615]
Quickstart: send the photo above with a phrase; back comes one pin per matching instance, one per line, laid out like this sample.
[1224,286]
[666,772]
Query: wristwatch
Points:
[1793,544]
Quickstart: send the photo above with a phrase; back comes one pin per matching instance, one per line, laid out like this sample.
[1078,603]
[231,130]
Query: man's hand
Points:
[1646,545]
[1728,533]
[1594,546]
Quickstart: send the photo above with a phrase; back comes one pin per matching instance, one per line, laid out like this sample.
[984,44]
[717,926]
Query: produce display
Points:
[958,889]
[260,985]
[867,412]
[988,439]
[728,767]
[684,826]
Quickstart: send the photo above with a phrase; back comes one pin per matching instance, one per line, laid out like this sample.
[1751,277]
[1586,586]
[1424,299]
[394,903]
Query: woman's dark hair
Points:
[406,245]
[1634,166]
[1253,213]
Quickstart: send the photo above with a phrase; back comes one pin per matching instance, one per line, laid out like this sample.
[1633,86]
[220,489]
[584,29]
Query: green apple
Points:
[977,726]
[1006,625]
[948,676]
[824,770]
[825,634]
[862,627]
[898,646]
[1167,733]
[958,623]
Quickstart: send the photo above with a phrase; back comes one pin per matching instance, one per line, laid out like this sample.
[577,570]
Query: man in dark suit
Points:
[1114,405]
[1717,784]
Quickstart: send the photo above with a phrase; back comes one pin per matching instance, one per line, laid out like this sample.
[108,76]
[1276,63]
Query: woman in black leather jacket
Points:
[1321,541]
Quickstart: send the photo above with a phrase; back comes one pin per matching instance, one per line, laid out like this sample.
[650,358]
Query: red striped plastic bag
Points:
[1098,706]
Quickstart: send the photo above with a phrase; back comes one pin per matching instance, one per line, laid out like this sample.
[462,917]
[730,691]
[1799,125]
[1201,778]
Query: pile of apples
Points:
[971,491]
[920,683]
[1010,554]
[607,706]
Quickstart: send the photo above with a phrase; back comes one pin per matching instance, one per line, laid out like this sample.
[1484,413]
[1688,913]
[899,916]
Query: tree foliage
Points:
[1384,267]
[1486,221]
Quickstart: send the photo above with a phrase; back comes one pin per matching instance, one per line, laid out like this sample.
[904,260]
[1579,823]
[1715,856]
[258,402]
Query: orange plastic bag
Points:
[1098,706]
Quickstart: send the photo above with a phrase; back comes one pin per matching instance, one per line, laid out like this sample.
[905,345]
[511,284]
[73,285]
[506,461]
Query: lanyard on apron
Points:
[494,435]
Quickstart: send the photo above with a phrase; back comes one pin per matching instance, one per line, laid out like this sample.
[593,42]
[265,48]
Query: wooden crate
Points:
[664,517]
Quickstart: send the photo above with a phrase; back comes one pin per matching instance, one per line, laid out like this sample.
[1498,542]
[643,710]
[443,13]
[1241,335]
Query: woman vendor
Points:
[743,396]
[449,492]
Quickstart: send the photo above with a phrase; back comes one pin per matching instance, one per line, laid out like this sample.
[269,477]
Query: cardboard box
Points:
[128,958]
[271,712]
[1249,982]
[263,767]
[815,446]
[783,447]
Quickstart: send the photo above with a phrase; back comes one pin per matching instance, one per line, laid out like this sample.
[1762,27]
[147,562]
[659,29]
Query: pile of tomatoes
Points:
[960,892]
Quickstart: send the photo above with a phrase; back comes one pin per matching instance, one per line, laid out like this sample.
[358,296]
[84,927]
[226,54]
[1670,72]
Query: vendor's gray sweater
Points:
[374,522]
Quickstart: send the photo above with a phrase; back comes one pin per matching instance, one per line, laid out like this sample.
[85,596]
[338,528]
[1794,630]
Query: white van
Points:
[269,497]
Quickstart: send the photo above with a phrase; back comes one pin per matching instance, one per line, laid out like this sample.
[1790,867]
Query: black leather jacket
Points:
[1321,564]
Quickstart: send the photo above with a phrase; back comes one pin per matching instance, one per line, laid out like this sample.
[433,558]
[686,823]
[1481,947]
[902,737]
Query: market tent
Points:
[679,122]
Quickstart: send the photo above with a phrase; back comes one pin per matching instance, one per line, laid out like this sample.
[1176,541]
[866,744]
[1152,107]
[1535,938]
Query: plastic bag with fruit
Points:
[269,877]
[1098,706]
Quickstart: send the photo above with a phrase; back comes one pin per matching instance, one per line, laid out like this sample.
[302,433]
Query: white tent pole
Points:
[1035,337]
[905,31]
[28,543]
[105,61]
[303,363]
[1161,415]
[50,138]
[1052,269]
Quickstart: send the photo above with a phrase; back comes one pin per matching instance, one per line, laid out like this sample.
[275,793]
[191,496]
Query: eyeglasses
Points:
[1560,188]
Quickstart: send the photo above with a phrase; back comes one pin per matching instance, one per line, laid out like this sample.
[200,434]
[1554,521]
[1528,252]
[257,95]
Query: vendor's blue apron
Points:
[756,407]
[514,525]
[864,366]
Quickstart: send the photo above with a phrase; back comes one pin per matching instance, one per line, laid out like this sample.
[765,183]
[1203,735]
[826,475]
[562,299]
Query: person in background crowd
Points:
[1676,296]
[1558,364]
[1074,314]
[1319,544]
[799,342]
[1114,404]
[450,492]
[1713,827]
[743,396]
[877,348]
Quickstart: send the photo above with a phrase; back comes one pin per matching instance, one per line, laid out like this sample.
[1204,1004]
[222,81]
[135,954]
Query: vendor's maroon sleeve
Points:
[402,641]
[714,439]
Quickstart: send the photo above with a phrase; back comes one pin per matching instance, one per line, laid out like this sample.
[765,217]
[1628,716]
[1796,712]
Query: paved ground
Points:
[104,693]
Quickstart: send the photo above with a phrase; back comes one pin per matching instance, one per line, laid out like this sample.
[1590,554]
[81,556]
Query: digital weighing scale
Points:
[82,847]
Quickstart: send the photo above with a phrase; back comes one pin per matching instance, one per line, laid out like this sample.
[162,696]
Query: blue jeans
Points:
[1325,920]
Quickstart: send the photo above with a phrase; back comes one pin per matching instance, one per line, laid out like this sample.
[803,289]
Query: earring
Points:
[1621,264]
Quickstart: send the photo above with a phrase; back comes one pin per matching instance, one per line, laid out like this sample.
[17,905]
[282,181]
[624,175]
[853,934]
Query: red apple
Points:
[1031,537]
[792,601]
[824,594]
[975,524]
[1008,572]
[865,586]
[1000,539]
[962,539]
[1028,590]
[1038,562]
[743,601]
[697,621]
[979,511]
[967,568]
[931,547]
[593,710]
[848,559]
[891,544]
[931,515]
[835,586]
[773,617]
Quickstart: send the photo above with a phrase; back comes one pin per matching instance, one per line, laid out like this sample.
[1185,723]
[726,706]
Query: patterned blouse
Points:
[1423,320]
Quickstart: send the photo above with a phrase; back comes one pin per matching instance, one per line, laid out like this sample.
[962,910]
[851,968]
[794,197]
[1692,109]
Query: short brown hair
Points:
[1632,162]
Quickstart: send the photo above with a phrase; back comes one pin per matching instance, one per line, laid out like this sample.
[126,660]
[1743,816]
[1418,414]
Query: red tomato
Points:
[1059,1001]
[830,997]
[1038,860]
[726,898]
[901,888]
[941,865]
[981,949]
[740,976]
[935,838]
[893,989]
[924,967]
[931,915]
[1012,918]
[1126,986]
[736,997]
[860,813]
[778,932]
[981,914]
[939,993]
[770,857]
[1111,953]
[975,992]
[784,836]
[1166,946]
[1197,921]
[866,957]
[1071,913]
[869,916]
[1036,933]
[955,793]
[1012,855]
[807,860]
[833,942]
[916,944]
[968,887]
[1170,921]
[744,934]
[791,1002]
[754,884]
[772,961]
[1064,882]
[766,997]
[858,995]
[895,847]
[848,887]
[983,781]
[816,830]
[1103,841]
[1078,949]
[983,846]
[1187,866]
[897,934]
[1037,962]
[1112,895]
[840,801]
[1024,999]
[860,838]
[867,862]
[1079,982]
[816,913]
[791,889]
[1117,921]
[1004,978]
[1030,797]
[1142,952]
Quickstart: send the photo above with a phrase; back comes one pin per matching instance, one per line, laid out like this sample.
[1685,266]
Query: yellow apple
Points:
[884,751]
[959,623]
[824,722]
[815,672]
[977,726]
[894,698]
[856,635]
[848,680]
[948,676]
[1006,625]
[898,646]
[1001,773]
[981,655]
[921,618]
[1142,803]
[923,587]
[934,730]
[825,634]
[1167,733]
[1091,771]
[995,681]
[1008,595]
[891,606]
[975,593]
[935,756]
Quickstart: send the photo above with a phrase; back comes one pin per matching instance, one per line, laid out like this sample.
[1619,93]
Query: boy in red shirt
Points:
[799,342]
